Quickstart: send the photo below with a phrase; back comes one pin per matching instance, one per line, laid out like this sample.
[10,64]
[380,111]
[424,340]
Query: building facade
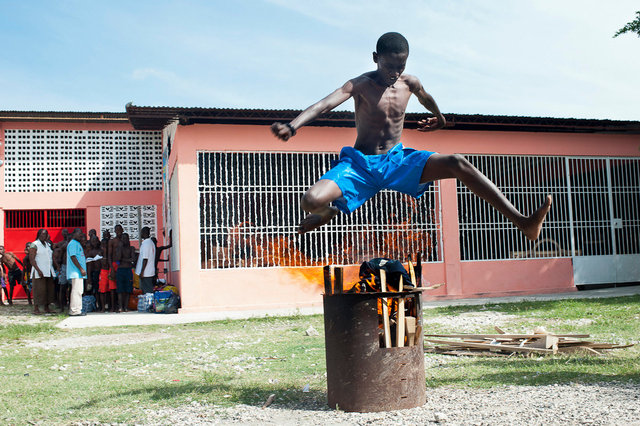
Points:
[230,192]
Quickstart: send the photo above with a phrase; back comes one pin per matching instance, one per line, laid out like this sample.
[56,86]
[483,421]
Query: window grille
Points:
[129,217]
[625,192]
[525,180]
[250,209]
[595,210]
[37,219]
[82,160]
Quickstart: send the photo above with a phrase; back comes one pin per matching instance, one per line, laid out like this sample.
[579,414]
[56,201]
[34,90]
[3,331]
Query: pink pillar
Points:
[450,237]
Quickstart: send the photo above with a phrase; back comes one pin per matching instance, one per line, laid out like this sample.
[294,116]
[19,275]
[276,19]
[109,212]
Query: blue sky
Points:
[544,58]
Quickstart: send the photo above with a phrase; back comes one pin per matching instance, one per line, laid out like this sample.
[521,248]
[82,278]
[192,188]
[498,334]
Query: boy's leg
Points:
[441,166]
[316,201]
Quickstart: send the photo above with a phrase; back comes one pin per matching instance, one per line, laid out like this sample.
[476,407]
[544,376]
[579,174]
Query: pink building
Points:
[231,198]
[67,170]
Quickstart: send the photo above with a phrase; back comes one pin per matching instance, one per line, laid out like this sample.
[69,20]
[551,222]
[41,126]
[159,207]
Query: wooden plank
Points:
[385,310]
[502,336]
[410,324]
[498,329]
[412,273]
[418,269]
[326,271]
[400,318]
[491,347]
[546,341]
[338,279]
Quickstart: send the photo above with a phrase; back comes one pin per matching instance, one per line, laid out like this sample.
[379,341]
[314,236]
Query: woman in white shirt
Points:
[42,272]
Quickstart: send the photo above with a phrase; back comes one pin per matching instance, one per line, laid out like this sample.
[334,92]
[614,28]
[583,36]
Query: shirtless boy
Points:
[14,274]
[378,161]
[124,276]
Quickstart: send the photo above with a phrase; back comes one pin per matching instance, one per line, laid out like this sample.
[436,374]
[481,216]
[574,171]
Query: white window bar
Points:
[525,180]
[250,210]
[596,208]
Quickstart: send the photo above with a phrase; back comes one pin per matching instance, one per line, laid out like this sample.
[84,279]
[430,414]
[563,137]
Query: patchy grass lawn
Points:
[116,374]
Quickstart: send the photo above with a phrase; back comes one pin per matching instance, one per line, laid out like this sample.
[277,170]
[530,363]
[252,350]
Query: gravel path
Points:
[574,404]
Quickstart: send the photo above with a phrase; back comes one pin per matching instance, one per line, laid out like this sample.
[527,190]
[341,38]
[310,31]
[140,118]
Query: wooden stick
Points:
[505,336]
[419,269]
[327,279]
[385,310]
[339,282]
[400,318]
[412,272]
[410,323]
[491,347]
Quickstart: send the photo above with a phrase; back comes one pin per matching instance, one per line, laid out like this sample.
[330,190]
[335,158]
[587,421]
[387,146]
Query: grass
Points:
[243,362]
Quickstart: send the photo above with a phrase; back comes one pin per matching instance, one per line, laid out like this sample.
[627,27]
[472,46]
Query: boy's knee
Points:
[311,201]
[457,162]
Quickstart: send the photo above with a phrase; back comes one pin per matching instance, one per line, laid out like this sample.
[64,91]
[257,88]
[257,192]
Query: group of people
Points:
[79,265]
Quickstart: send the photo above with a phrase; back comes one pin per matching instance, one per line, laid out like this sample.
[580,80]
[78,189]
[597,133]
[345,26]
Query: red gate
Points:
[21,227]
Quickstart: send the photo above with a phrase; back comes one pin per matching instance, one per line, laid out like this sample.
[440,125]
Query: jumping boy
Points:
[378,160]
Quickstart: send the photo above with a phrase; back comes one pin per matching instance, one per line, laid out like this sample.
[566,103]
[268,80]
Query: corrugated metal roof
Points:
[69,116]
[154,118]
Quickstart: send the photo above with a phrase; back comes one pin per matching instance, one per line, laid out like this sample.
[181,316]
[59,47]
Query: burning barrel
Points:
[375,360]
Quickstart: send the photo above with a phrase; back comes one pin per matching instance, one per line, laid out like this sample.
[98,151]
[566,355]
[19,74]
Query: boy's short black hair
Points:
[392,43]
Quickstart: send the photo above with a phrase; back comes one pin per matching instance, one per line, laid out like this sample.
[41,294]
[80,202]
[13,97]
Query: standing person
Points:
[26,277]
[145,267]
[14,274]
[114,243]
[378,160]
[93,264]
[60,264]
[124,275]
[159,251]
[76,270]
[104,284]
[42,272]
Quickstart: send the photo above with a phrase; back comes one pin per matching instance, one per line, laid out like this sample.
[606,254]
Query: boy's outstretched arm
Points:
[288,130]
[433,123]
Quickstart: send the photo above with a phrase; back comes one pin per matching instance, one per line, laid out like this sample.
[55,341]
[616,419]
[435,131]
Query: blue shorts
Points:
[361,176]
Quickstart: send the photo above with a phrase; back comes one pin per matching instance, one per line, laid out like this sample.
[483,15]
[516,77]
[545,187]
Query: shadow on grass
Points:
[223,393]
[539,372]
[530,305]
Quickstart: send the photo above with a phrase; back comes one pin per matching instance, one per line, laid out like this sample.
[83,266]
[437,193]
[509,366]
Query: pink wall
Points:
[289,287]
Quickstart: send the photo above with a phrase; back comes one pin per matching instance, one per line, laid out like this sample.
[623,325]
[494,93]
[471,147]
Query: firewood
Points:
[410,324]
[492,347]
[400,318]
[546,342]
[339,281]
[503,336]
[412,273]
[327,279]
[385,310]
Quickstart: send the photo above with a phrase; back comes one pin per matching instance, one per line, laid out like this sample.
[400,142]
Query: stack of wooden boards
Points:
[504,344]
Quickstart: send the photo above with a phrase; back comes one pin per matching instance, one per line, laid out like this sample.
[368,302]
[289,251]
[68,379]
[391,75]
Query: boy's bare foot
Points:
[316,220]
[532,225]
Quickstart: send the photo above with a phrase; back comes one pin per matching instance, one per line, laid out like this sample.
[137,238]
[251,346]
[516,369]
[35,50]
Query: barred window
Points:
[250,209]
[595,210]
[82,160]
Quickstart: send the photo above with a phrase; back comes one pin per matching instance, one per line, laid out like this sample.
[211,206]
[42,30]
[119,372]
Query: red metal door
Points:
[21,227]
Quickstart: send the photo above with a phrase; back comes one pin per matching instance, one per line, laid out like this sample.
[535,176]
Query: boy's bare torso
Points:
[380,112]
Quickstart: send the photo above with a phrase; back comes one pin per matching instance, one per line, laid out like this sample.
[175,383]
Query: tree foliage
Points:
[633,26]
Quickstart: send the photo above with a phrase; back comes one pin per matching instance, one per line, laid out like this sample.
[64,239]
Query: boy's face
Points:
[390,66]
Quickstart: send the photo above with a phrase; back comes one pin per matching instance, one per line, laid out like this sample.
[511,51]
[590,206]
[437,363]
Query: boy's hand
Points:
[281,131]
[431,124]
